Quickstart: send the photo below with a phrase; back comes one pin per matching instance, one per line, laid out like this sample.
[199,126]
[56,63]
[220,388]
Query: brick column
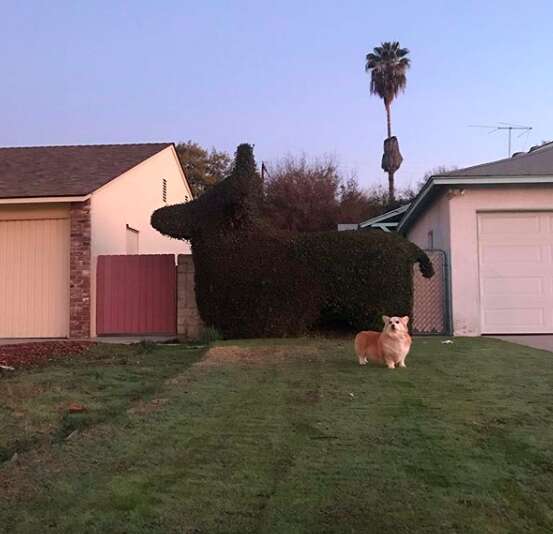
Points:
[189,323]
[79,270]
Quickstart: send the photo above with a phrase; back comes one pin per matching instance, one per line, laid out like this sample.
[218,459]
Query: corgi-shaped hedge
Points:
[253,281]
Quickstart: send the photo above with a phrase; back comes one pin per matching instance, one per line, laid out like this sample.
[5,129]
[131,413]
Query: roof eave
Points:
[45,200]
[384,216]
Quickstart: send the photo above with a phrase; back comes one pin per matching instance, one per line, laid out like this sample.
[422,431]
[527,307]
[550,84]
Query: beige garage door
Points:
[34,276]
[516,272]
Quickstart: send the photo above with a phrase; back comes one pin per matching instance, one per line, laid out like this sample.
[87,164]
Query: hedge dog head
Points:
[232,204]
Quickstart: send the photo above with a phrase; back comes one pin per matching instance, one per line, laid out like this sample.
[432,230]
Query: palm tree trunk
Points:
[388,118]
[391,188]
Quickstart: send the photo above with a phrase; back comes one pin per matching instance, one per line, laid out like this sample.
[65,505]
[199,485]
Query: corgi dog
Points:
[389,347]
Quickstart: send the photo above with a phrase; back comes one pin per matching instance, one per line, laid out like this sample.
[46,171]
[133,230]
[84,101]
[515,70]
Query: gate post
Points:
[189,323]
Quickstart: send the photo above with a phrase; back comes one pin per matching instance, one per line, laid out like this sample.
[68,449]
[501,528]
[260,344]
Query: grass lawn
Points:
[281,436]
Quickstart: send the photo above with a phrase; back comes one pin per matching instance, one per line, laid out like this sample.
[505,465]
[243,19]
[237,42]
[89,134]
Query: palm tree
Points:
[388,64]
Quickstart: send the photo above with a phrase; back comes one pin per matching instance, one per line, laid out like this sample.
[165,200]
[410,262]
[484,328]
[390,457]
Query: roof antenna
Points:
[505,126]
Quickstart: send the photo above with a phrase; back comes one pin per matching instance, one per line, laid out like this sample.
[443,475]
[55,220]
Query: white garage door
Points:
[34,277]
[516,272]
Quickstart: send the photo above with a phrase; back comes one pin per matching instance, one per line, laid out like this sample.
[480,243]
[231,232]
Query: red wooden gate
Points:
[136,295]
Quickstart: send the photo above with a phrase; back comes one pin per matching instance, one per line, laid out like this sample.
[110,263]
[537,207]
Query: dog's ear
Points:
[405,319]
[385,319]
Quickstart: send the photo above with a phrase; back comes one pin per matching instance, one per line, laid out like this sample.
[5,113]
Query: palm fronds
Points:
[388,64]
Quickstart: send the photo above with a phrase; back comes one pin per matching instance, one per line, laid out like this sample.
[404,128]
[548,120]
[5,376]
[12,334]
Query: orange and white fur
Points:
[389,347]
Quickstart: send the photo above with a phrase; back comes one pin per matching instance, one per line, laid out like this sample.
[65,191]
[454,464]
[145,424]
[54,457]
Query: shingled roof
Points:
[537,162]
[58,171]
[524,168]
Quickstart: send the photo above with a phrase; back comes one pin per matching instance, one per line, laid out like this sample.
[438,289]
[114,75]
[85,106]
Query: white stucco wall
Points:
[463,208]
[436,219]
[130,200]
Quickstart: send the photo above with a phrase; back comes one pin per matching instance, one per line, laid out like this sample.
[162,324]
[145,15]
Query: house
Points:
[495,223]
[387,221]
[61,207]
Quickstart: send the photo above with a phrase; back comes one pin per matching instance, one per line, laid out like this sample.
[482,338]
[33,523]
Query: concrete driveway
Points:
[537,341]
[119,340]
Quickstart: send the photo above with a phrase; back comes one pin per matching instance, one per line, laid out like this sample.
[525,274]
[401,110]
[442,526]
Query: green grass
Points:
[282,436]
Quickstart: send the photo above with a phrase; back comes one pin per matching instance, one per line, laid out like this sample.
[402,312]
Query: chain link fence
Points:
[431,298]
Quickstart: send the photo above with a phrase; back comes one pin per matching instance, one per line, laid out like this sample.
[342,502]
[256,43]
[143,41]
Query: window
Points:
[132,240]
[164,190]
[430,242]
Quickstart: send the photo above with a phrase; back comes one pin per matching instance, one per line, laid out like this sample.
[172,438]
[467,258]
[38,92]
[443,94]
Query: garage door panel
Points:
[516,222]
[515,317]
[516,272]
[520,301]
[34,278]
[507,252]
[513,285]
[513,272]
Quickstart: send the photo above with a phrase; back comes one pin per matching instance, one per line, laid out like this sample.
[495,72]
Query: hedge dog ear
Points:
[405,319]
[385,319]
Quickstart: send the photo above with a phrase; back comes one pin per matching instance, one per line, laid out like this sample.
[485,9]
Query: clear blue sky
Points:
[286,75]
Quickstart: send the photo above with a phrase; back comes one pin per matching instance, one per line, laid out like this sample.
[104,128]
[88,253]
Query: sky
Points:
[285,75]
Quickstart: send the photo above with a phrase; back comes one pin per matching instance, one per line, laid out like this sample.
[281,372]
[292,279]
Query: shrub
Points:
[254,285]
[252,280]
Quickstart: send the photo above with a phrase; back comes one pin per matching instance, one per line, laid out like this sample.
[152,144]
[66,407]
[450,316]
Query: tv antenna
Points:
[505,126]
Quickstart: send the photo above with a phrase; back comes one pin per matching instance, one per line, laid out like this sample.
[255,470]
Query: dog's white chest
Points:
[395,349]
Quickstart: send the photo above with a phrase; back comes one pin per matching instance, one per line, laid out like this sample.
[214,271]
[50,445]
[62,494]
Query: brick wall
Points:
[79,270]
[189,323]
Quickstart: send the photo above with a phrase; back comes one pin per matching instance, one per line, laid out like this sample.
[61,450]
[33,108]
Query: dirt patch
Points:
[221,356]
[40,353]
[256,355]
